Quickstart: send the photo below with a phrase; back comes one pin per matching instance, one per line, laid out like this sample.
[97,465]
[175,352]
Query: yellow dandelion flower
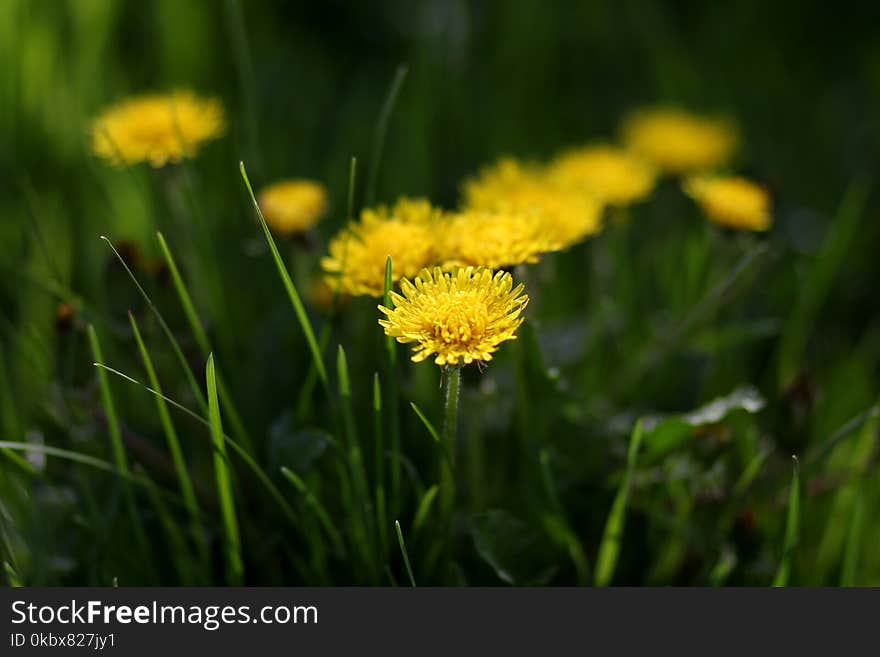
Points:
[731,201]
[460,316]
[565,216]
[156,128]
[293,206]
[678,141]
[610,174]
[408,232]
[492,239]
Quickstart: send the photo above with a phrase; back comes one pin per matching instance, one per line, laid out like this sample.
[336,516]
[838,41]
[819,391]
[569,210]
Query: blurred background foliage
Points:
[656,317]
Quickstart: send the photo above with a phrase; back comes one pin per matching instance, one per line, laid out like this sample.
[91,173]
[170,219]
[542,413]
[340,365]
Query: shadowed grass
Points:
[792,521]
[609,548]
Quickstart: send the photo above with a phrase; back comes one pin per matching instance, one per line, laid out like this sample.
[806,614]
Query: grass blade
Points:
[175,345]
[815,288]
[792,520]
[424,508]
[234,565]
[187,489]
[609,548]
[315,504]
[82,459]
[117,447]
[409,572]
[238,449]
[295,300]
[379,464]
[393,396]
[355,459]
[382,131]
[201,336]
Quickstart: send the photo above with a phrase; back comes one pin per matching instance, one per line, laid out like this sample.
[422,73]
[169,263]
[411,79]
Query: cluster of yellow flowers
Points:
[457,304]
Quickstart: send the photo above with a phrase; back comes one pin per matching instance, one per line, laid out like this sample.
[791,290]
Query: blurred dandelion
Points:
[564,216]
[492,239]
[609,173]
[678,141]
[293,206]
[731,201]
[156,128]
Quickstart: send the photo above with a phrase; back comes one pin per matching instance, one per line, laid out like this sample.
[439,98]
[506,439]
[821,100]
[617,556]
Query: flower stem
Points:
[450,421]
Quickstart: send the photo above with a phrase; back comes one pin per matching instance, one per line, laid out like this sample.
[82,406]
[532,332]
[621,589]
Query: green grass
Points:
[639,430]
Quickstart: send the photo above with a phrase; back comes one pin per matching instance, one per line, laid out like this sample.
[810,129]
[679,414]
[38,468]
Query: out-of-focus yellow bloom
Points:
[564,216]
[156,128]
[321,295]
[610,174]
[293,206]
[731,201]
[461,316]
[678,141]
[408,232]
[492,238]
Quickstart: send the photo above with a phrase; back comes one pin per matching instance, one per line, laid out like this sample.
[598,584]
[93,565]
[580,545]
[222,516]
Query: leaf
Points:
[665,434]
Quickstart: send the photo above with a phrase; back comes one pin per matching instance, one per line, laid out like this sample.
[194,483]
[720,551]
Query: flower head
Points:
[459,317]
[408,232]
[492,239]
[608,173]
[678,141]
[156,128]
[293,206]
[564,216]
[731,201]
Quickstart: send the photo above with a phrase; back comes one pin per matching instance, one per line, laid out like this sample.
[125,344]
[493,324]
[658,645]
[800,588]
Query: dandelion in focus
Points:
[458,317]
[563,216]
[293,206]
[156,128]
[731,201]
[608,173]
[408,232]
[678,141]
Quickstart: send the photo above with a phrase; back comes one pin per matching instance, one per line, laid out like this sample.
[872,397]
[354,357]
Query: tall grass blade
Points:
[201,336]
[187,489]
[815,289]
[400,541]
[792,521]
[424,508]
[175,345]
[850,568]
[393,395]
[232,543]
[609,548]
[238,449]
[379,465]
[382,131]
[354,456]
[82,459]
[295,300]
[315,504]
[117,447]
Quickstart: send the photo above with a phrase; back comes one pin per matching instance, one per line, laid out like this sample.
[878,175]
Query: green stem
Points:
[450,421]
